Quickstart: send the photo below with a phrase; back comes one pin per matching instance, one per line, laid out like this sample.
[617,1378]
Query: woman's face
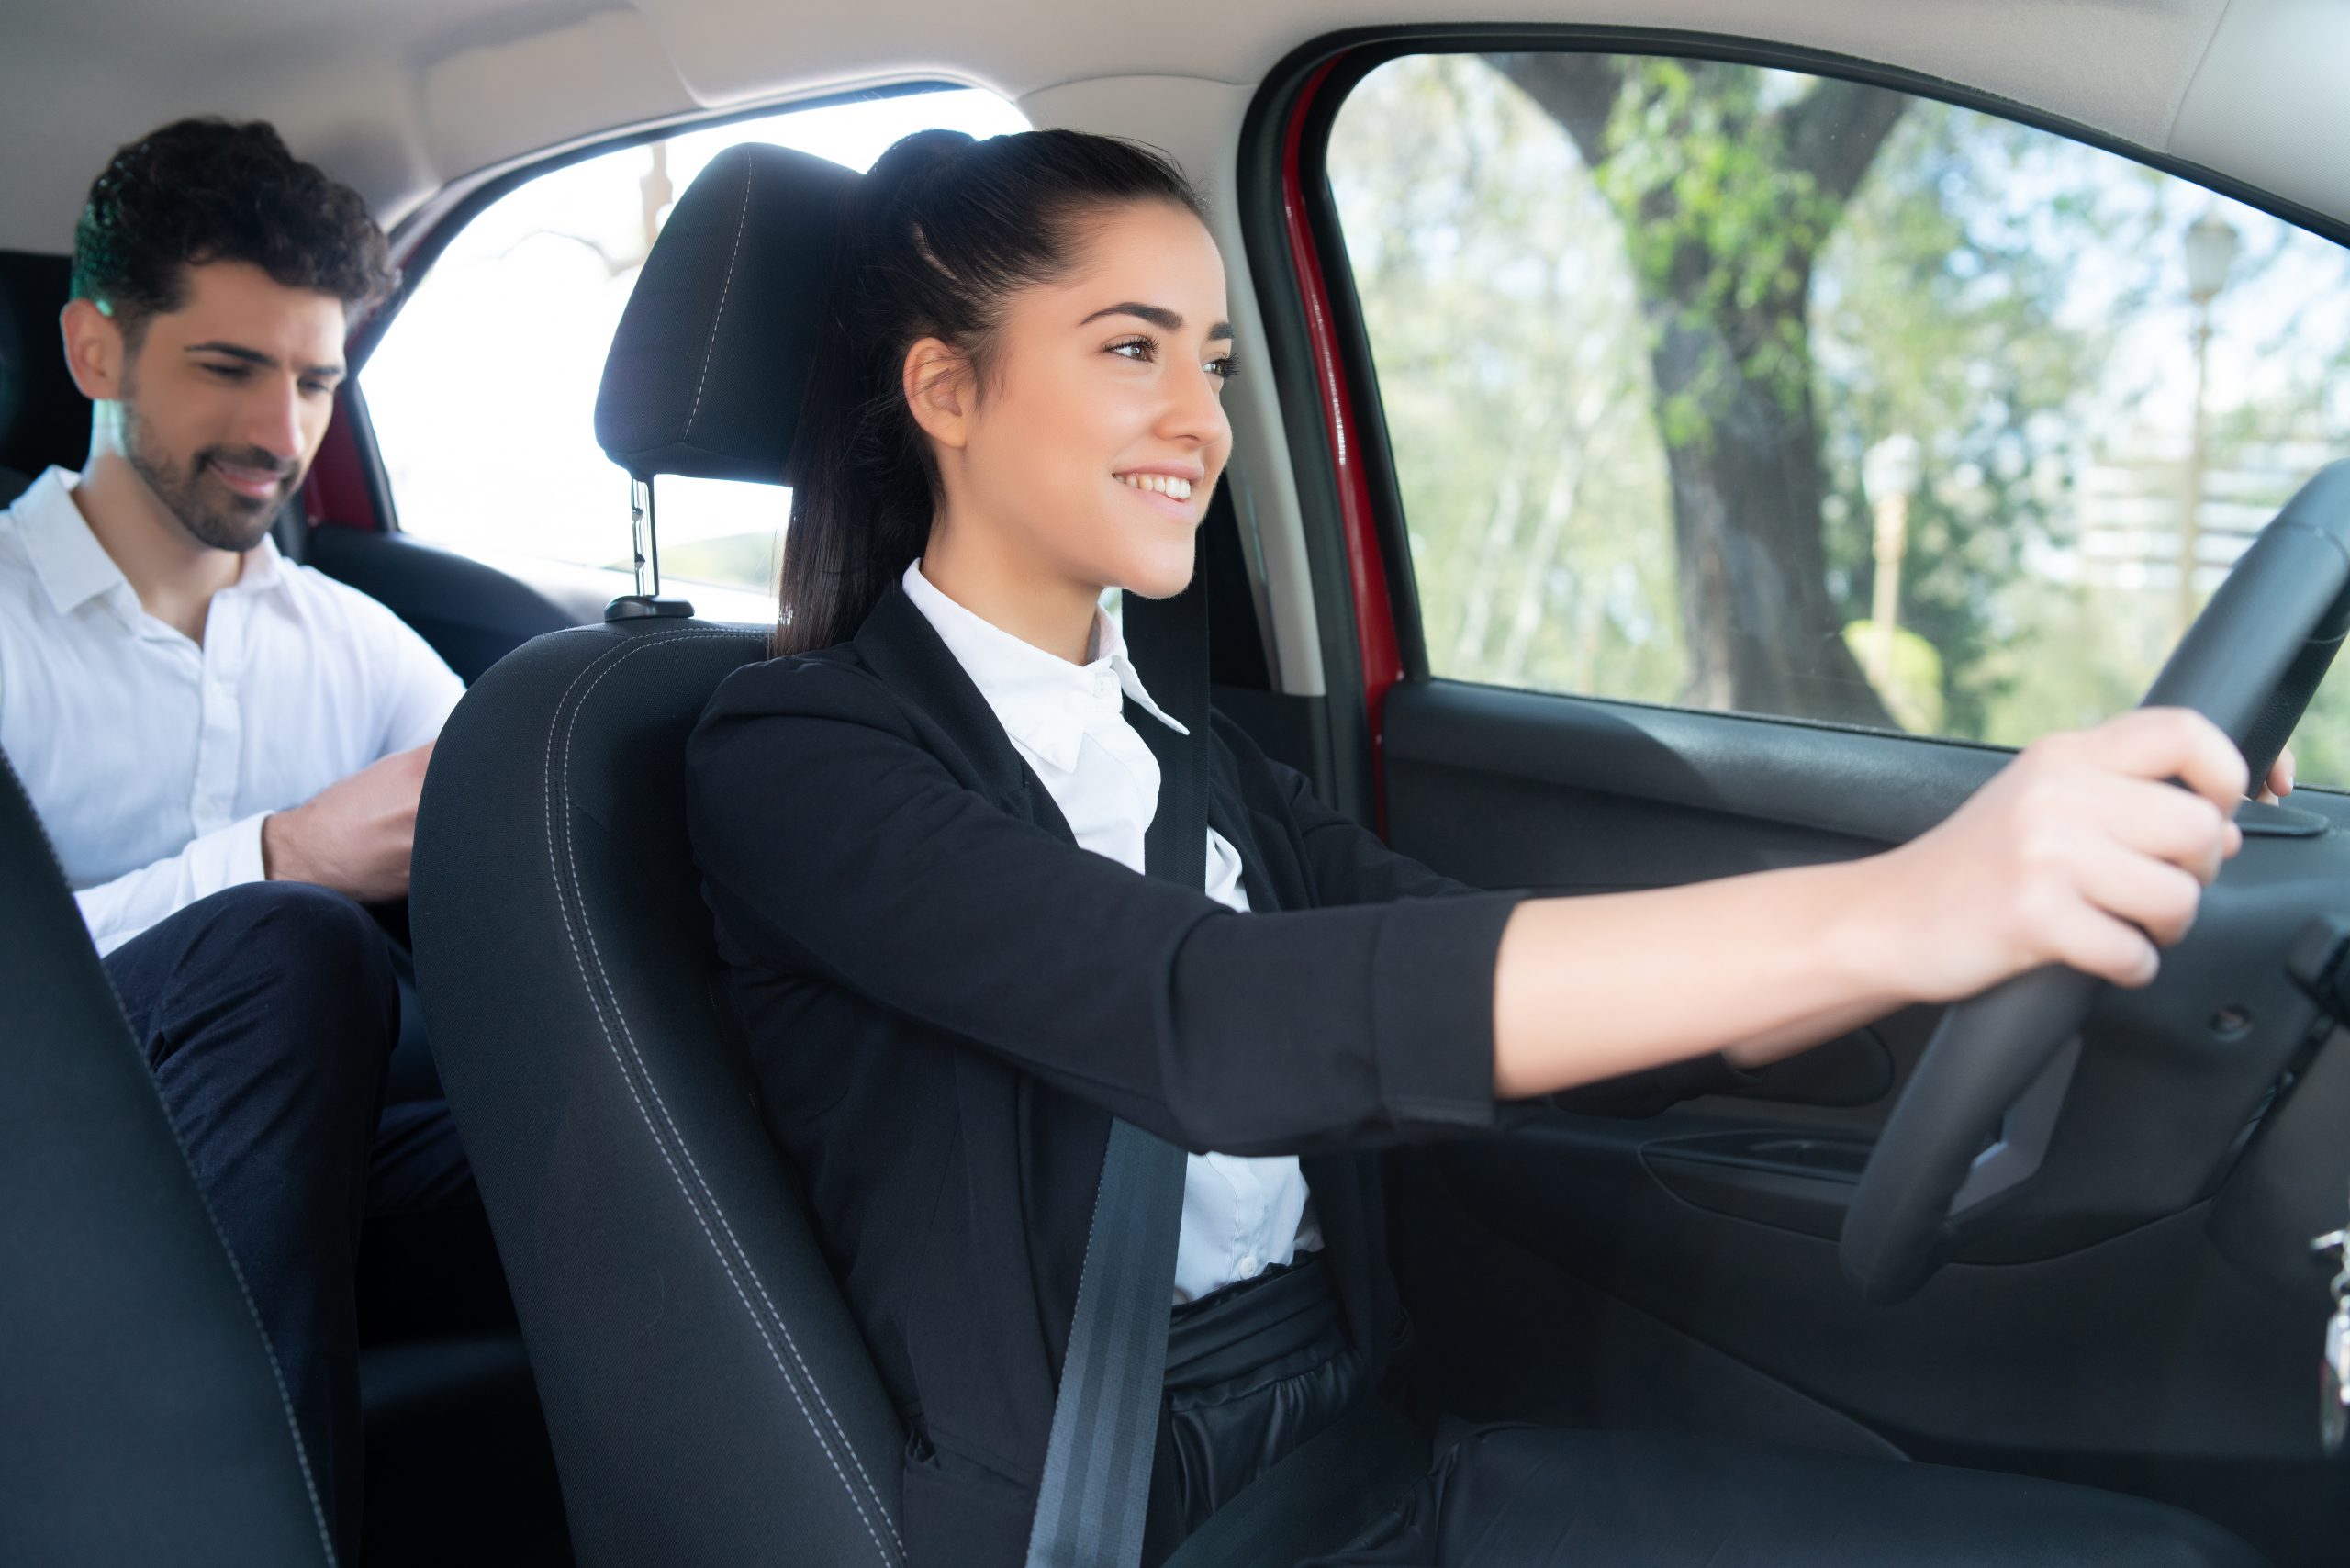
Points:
[1090,452]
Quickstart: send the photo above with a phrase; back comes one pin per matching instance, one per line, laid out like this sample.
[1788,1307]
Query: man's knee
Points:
[299,927]
[311,962]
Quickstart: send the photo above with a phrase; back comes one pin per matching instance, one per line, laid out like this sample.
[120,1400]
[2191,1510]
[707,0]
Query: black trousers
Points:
[269,1012]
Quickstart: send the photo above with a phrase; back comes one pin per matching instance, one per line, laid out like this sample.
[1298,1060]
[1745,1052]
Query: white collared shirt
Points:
[1241,1215]
[153,759]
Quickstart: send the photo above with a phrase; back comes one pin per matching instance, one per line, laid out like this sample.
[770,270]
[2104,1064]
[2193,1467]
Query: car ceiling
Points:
[405,97]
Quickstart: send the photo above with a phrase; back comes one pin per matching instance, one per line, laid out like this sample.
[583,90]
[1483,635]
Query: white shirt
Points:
[152,760]
[1241,1215]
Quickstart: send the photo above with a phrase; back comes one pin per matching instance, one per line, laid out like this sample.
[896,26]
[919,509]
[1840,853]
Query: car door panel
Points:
[1565,1288]
[1682,1268]
[1700,784]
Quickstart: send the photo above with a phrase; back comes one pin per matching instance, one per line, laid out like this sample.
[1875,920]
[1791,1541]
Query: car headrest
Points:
[709,366]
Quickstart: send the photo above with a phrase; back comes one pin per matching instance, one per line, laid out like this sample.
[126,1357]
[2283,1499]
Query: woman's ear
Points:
[937,378]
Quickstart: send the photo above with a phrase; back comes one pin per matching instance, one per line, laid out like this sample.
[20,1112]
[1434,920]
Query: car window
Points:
[483,390]
[1742,388]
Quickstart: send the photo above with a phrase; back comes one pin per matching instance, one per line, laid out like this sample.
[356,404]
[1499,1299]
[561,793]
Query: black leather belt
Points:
[1253,1371]
[1249,1324]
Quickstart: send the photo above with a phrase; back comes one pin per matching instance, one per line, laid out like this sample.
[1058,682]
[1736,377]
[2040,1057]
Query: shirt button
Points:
[1248,1263]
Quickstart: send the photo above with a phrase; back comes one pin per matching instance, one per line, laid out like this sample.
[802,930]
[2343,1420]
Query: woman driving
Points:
[923,832]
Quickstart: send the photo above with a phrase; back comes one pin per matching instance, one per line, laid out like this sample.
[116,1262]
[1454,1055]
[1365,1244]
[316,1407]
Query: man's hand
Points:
[355,836]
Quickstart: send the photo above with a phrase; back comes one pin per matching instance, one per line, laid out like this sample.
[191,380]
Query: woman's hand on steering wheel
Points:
[2080,861]
[2280,779]
[2081,852]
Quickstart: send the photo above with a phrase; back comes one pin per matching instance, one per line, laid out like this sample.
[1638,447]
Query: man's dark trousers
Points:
[268,1013]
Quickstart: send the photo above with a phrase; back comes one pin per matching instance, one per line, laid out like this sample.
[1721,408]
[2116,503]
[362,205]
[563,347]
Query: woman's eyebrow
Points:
[1159,316]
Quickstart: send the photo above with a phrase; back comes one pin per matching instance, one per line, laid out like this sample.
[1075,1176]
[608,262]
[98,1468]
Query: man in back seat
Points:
[227,747]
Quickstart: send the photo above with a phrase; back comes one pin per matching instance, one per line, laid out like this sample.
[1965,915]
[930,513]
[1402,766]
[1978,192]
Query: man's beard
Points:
[218,517]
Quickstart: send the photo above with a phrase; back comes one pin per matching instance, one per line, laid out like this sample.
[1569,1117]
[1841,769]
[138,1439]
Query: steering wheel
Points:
[1971,1124]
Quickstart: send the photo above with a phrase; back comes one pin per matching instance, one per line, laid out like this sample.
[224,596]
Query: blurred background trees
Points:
[1724,190]
[1646,331]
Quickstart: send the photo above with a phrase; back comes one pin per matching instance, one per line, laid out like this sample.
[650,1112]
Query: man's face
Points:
[226,399]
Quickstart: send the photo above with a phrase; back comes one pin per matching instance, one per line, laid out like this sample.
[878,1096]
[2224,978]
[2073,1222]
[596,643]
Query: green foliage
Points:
[1720,223]
[2010,299]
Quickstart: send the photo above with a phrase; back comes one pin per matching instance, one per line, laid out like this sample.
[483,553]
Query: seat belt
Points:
[1096,1489]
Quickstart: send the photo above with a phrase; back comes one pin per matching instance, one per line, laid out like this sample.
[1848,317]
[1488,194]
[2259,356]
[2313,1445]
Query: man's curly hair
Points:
[208,190]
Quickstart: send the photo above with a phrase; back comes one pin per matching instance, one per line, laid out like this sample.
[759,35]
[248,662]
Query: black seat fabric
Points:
[472,614]
[43,419]
[1581,1499]
[710,362]
[142,1418]
[705,1393]
[709,1399]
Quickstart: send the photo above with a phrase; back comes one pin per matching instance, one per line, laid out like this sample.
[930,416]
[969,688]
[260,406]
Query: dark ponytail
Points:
[942,232]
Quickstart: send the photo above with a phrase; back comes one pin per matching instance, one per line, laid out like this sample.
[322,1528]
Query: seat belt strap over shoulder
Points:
[1096,1488]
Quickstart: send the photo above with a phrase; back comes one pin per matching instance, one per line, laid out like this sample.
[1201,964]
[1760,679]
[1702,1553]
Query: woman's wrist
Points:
[1868,935]
[1853,930]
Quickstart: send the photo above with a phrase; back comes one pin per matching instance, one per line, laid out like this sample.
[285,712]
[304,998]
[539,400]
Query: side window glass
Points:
[1742,388]
[483,390]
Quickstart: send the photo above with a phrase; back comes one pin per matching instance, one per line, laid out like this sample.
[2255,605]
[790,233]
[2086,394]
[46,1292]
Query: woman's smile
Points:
[1169,494]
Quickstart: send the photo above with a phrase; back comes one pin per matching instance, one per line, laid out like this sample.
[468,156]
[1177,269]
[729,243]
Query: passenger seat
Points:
[143,1416]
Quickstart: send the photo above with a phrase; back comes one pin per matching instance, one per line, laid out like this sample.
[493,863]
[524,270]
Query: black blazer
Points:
[945,999]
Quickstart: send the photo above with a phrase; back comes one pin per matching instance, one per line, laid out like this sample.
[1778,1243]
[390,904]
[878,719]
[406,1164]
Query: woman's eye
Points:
[1140,350]
[1224,369]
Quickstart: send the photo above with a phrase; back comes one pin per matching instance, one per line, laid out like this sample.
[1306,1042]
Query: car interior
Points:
[2061,1231]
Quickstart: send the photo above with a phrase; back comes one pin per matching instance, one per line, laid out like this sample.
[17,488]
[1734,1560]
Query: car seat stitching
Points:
[638,1098]
[742,1254]
[725,292]
[253,1312]
[276,1376]
[612,662]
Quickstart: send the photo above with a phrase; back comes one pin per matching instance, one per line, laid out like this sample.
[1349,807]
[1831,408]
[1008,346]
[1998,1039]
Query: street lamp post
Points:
[2211,253]
[1891,472]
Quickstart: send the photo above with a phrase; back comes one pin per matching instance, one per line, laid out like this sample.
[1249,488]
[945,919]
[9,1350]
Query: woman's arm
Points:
[833,840]
[2076,853]
[836,842]
[1351,865]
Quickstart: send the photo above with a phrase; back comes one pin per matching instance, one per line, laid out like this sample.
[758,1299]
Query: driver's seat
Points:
[708,1397]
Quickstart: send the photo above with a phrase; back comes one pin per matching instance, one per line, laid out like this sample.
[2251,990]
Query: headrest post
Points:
[645,539]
